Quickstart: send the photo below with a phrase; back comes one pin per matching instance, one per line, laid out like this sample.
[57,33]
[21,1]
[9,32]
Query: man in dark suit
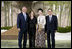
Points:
[51,28]
[22,26]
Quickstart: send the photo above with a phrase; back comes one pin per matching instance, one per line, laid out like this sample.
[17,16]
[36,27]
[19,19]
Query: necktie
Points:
[50,18]
[24,16]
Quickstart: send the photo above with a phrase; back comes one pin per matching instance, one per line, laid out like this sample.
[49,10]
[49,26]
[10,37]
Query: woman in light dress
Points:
[40,33]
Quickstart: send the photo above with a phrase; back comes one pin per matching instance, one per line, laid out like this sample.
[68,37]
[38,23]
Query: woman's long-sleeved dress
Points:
[40,35]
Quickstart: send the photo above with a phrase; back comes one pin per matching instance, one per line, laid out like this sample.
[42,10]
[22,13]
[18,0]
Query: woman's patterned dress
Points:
[40,39]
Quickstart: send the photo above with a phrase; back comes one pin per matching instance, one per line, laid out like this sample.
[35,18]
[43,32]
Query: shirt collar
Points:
[24,13]
[50,15]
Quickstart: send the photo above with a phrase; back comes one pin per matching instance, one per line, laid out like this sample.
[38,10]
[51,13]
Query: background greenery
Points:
[60,29]
[64,29]
[6,28]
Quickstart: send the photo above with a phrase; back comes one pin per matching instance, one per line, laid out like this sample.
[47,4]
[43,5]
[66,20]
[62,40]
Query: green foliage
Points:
[64,30]
[7,28]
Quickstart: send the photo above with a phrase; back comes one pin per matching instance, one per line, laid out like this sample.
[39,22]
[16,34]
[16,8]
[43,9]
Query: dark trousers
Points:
[31,38]
[20,35]
[52,32]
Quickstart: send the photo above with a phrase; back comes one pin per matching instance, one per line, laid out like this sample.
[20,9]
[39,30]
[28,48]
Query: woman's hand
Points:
[40,27]
[18,29]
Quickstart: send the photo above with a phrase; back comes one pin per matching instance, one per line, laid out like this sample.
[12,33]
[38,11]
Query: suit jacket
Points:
[51,25]
[21,22]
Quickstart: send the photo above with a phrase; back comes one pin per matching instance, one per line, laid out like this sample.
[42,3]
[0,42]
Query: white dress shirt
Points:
[50,17]
[24,15]
[41,20]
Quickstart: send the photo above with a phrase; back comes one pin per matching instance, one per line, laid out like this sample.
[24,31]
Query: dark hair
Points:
[30,13]
[50,9]
[40,9]
[24,6]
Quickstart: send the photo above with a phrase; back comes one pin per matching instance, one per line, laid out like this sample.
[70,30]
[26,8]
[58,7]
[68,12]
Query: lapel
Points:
[48,17]
[52,18]
[22,16]
[26,16]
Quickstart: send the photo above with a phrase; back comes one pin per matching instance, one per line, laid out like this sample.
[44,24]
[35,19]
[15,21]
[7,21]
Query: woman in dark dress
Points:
[32,29]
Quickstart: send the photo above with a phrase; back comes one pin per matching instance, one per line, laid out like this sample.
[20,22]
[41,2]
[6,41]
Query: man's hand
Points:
[55,30]
[18,29]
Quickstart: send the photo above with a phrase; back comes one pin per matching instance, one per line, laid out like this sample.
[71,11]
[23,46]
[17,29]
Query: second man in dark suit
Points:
[51,27]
